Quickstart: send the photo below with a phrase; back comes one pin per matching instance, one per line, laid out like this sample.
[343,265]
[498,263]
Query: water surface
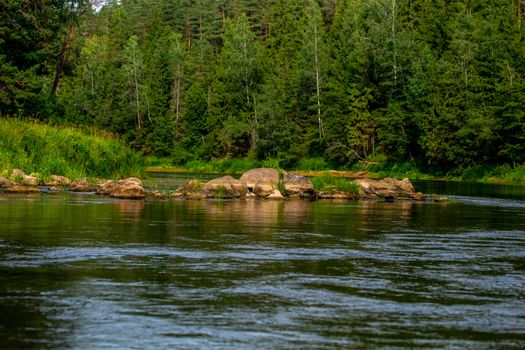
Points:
[85,272]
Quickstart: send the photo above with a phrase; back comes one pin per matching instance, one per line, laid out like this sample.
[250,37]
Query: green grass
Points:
[312,164]
[45,150]
[223,166]
[335,184]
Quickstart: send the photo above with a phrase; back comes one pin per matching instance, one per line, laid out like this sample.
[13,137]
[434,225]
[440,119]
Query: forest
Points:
[437,82]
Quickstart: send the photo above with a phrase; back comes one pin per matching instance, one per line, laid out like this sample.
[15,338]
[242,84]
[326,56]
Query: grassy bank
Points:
[38,148]
[478,173]
[374,169]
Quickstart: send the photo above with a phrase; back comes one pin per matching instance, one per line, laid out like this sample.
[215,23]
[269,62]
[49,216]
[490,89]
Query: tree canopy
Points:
[439,82]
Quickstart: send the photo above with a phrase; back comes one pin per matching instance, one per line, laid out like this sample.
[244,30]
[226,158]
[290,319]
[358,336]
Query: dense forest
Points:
[440,82]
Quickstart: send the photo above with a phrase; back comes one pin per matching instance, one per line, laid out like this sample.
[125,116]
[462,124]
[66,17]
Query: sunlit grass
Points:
[38,148]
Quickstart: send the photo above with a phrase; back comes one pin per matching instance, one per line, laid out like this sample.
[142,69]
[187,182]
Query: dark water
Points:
[85,272]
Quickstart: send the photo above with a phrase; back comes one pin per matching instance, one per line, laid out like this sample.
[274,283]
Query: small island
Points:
[262,183]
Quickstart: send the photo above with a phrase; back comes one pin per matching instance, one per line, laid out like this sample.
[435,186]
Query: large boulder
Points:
[298,185]
[224,187]
[262,176]
[388,188]
[5,183]
[130,188]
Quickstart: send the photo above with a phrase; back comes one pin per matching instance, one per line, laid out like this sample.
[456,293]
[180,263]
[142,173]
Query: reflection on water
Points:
[91,273]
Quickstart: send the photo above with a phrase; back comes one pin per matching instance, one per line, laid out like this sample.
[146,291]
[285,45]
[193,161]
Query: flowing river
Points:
[86,272]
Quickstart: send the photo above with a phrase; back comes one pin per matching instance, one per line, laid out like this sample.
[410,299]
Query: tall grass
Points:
[38,148]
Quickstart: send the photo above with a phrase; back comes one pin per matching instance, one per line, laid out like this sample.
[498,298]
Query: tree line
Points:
[440,82]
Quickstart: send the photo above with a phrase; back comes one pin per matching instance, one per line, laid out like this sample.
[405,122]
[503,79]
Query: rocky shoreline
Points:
[263,183]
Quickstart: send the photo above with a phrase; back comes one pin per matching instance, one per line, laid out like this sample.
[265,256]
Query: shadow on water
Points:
[88,272]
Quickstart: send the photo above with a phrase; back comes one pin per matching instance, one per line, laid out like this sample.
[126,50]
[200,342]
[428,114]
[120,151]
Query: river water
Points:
[85,272]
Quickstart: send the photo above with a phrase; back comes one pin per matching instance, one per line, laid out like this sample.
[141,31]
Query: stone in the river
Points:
[191,187]
[299,185]
[261,176]
[130,188]
[388,188]
[106,188]
[80,185]
[224,187]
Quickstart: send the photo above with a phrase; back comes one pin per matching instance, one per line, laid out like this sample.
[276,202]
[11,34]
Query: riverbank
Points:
[42,150]
[501,174]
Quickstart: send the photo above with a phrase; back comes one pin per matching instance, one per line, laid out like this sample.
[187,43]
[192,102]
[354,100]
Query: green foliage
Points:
[312,164]
[335,184]
[35,147]
[437,84]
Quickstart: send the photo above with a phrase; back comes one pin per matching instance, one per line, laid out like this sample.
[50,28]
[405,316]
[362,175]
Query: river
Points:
[85,272]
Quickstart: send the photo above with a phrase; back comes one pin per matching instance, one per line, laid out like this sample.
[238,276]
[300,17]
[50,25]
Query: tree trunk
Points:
[60,64]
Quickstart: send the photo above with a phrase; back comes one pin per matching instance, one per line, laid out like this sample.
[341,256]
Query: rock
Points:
[406,185]
[106,188]
[29,181]
[224,187]
[250,195]
[22,189]
[266,176]
[263,190]
[157,195]
[80,185]
[130,181]
[196,196]
[388,189]
[190,187]
[335,195]
[17,173]
[130,188]
[57,180]
[176,195]
[299,185]
[276,195]
[5,183]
